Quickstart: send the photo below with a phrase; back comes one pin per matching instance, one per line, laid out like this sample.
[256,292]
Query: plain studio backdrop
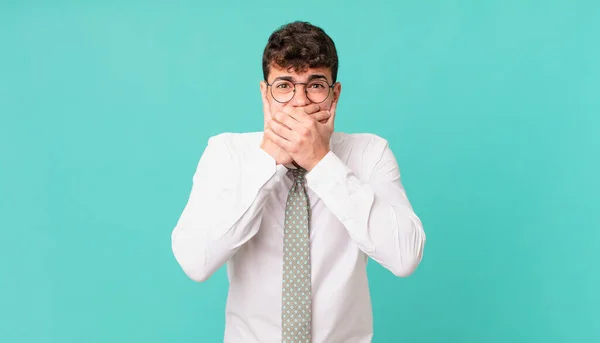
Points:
[491,107]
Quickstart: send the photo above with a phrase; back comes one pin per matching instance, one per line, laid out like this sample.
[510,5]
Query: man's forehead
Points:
[306,74]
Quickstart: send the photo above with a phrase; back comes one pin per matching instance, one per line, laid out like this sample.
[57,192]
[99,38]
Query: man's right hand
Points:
[281,156]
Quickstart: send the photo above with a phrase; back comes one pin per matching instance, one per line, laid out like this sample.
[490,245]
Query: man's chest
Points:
[327,233]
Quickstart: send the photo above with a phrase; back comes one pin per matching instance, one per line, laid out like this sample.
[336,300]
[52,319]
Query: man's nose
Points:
[300,98]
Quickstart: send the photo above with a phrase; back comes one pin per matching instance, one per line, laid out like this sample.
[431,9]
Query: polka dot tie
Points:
[296,298]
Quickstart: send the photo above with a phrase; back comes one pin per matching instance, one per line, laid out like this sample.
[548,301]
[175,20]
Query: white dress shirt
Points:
[235,215]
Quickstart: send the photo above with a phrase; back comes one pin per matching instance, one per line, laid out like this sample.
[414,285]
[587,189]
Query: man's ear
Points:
[263,88]
[337,91]
[265,103]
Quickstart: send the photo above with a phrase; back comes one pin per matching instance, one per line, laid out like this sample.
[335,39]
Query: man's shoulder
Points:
[240,141]
[362,139]
[237,140]
[359,136]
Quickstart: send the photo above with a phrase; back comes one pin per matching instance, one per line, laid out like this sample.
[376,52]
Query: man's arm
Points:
[224,209]
[376,212]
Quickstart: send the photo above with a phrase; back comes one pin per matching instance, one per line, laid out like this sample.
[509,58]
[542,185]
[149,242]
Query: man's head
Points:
[303,56]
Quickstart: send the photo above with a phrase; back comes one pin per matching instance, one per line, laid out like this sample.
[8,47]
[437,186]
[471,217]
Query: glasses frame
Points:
[305,90]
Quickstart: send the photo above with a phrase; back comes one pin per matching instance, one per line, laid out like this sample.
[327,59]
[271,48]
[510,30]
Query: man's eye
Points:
[317,86]
[283,85]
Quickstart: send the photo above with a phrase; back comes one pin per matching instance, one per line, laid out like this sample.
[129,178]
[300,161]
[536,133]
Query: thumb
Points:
[331,119]
[266,109]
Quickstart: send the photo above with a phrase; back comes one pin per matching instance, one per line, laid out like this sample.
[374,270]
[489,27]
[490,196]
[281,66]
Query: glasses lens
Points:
[317,91]
[282,91]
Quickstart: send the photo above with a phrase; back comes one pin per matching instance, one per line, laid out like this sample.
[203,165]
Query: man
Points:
[296,210]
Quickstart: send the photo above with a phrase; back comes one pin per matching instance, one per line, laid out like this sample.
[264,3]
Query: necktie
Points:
[296,297]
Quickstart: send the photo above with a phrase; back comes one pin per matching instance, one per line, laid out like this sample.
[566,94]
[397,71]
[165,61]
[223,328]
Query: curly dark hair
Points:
[298,46]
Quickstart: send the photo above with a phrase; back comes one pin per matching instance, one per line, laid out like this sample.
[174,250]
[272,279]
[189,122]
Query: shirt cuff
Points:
[264,168]
[328,173]
[256,177]
[343,194]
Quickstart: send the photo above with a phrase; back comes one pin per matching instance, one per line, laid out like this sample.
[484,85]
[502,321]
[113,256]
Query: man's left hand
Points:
[301,135]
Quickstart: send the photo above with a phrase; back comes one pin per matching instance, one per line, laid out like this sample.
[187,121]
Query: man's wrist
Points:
[316,161]
[330,171]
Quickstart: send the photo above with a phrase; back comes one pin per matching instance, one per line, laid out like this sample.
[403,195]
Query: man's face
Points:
[300,98]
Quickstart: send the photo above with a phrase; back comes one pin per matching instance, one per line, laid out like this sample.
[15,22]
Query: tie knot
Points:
[299,174]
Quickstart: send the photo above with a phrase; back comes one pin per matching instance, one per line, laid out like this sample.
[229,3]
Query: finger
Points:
[331,119]
[266,106]
[297,113]
[278,140]
[285,119]
[312,108]
[281,130]
[322,116]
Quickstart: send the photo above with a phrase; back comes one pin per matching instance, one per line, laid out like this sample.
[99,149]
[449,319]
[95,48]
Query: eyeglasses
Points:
[316,91]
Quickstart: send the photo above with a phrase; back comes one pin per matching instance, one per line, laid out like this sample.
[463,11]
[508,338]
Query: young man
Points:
[296,210]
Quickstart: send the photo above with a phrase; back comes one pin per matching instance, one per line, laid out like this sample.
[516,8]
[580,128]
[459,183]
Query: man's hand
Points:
[281,156]
[302,136]
[278,153]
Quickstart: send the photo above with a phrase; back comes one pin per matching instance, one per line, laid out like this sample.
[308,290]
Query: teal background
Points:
[492,109]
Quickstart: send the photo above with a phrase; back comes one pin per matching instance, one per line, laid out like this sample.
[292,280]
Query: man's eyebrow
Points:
[284,78]
[316,76]
[310,77]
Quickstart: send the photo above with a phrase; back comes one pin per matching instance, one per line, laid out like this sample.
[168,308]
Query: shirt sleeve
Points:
[374,210]
[224,209]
